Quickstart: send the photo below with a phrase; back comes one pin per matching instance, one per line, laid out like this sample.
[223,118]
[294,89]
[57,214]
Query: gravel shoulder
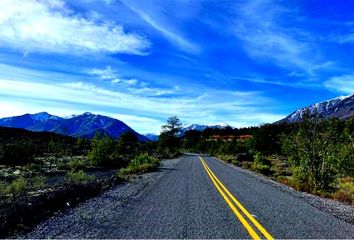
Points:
[179,201]
[96,210]
[338,209]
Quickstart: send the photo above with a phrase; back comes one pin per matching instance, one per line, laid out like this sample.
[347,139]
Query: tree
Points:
[103,152]
[316,152]
[173,127]
[169,140]
[127,144]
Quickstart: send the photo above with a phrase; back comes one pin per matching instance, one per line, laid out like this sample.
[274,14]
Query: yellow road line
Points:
[253,234]
[243,209]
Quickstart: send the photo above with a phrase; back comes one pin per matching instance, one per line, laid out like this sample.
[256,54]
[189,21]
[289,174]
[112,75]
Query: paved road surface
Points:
[200,198]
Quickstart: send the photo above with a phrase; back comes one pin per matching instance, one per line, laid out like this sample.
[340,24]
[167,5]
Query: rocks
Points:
[98,209]
[24,212]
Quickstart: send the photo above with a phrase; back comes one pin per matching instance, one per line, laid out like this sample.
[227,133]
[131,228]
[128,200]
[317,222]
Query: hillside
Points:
[340,107]
[85,125]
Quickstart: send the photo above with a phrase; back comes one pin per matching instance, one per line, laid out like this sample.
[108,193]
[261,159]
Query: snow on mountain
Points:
[152,137]
[199,127]
[42,116]
[341,107]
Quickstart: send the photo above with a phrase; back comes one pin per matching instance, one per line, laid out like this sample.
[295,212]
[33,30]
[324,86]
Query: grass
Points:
[20,186]
[228,158]
[140,164]
[78,177]
[345,192]
[277,168]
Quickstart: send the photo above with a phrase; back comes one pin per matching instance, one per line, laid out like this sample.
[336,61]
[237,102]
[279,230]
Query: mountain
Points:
[198,127]
[340,107]
[152,137]
[85,125]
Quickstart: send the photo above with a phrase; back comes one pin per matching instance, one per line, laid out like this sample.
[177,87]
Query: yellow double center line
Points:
[228,197]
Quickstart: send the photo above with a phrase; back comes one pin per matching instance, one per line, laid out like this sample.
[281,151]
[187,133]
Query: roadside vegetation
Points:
[42,172]
[37,161]
[140,164]
[316,156]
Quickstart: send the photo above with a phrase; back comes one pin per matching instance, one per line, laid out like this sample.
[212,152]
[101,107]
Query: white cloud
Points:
[209,104]
[138,123]
[170,35]
[106,73]
[132,82]
[341,84]
[50,26]
[264,36]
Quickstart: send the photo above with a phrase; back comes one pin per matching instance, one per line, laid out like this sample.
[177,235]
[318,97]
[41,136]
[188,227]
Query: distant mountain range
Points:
[198,127]
[340,107]
[152,137]
[195,127]
[85,125]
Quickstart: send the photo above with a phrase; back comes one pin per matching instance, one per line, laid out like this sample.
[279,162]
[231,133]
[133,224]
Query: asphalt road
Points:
[201,198]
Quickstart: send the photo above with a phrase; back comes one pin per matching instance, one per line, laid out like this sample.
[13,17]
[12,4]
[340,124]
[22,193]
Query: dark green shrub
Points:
[261,164]
[4,189]
[140,164]
[38,182]
[19,186]
[79,177]
[103,152]
[76,164]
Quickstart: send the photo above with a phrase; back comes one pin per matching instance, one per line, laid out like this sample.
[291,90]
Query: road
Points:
[200,197]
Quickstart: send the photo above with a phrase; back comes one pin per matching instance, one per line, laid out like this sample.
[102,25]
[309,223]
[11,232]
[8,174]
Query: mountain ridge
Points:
[85,125]
[341,107]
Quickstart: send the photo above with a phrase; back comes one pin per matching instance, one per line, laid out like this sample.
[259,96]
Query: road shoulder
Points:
[98,208]
[338,209]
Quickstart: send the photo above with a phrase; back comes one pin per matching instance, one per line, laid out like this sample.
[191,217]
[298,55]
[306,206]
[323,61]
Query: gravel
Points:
[98,208]
[180,201]
[338,209]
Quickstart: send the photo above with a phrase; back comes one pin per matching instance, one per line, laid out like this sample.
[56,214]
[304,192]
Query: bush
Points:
[345,192]
[261,165]
[38,182]
[143,159]
[227,158]
[4,189]
[21,186]
[18,186]
[140,164]
[76,164]
[246,165]
[78,177]
[103,152]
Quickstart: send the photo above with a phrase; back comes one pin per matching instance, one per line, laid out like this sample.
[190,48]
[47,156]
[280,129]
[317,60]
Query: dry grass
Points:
[345,192]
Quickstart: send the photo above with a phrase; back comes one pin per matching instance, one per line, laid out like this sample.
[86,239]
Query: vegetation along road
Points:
[195,197]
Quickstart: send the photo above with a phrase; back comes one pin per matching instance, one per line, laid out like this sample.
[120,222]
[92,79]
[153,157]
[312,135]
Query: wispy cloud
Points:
[341,84]
[131,85]
[105,73]
[169,34]
[260,26]
[16,108]
[50,26]
[209,105]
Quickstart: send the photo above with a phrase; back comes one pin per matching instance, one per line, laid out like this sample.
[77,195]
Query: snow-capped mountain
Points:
[199,127]
[340,107]
[85,125]
[152,137]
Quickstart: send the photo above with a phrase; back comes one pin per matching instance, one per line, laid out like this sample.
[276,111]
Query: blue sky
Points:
[210,62]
